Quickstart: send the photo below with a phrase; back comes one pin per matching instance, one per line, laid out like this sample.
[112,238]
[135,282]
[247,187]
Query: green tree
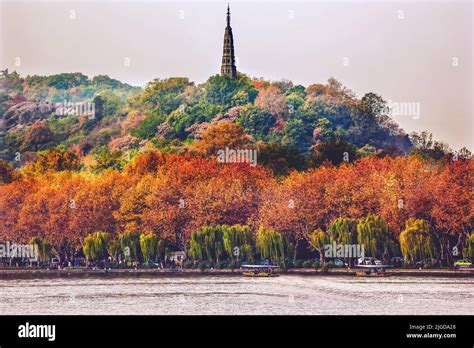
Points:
[280,159]
[106,159]
[271,245]
[42,248]
[343,231]
[319,241]
[296,135]
[255,121]
[416,241]
[238,242]
[95,246]
[148,246]
[223,90]
[334,150]
[165,96]
[207,244]
[374,235]
[130,246]
[468,250]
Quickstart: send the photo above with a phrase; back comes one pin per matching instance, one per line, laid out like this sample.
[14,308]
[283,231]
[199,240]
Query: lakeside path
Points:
[82,273]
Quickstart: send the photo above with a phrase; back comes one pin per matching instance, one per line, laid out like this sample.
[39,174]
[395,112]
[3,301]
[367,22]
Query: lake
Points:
[287,294]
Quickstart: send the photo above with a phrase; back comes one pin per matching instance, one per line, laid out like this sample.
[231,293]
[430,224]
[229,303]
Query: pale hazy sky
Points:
[402,50]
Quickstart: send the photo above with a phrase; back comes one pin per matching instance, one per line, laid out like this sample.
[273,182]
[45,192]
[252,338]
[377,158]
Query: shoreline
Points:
[12,274]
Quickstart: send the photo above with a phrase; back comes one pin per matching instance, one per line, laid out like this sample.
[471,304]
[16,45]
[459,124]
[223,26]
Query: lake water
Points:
[238,295]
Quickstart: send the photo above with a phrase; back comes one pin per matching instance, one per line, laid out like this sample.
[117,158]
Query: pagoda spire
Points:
[228,59]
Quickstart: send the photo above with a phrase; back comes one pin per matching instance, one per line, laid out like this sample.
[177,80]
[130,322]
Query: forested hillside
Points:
[304,125]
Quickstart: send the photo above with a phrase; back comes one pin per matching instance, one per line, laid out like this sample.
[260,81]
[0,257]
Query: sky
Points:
[415,54]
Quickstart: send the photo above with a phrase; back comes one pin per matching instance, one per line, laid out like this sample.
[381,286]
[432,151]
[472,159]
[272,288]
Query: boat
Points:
[259,271]
[372,274]
[372,271]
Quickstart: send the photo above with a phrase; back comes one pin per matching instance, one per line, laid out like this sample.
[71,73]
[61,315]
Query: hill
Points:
[305,124]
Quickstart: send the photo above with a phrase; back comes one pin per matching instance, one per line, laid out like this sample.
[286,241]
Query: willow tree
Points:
[95,246]
[271,245]
[373,233]
[130,245]
[416,241]
[207,244]
[238,242]
[42,248]
[468,250]
[319,240]
[148,246]
[343,231]
[160,250]
[113,248]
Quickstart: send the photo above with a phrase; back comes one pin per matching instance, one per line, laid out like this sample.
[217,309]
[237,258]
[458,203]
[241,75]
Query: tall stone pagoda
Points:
[228,59]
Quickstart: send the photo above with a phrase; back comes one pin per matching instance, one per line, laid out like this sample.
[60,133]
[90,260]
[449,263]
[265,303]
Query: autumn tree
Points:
[221,136]
[7,173]
[271,99]
[53,160]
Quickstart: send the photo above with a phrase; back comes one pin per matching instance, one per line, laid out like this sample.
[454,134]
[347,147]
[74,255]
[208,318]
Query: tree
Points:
[95,246]
[451,205]
[416,241]
[426,147]
[335,151]
[468,250]
[222,90]
[319,242]
[343,231]
[296,135]
[42,248]
[255,121]
[221,136]
[280,159]
[207,244]
[7,173]
[271,245]
[165,96]
[37,137]
[53,160]
[130,245]
[106,159]
[273,101]
[149,246]
[374,235]
[238,242]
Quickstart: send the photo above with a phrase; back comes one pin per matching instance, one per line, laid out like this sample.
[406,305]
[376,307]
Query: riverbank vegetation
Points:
[140,177]
[229,213]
